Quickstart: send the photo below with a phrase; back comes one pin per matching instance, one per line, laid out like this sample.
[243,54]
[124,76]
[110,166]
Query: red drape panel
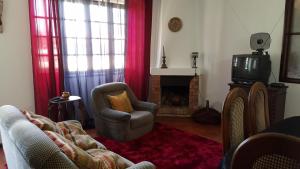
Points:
[137,60]
[46,52]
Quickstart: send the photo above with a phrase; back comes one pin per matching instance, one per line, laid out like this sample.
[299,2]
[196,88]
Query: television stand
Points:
[276,97]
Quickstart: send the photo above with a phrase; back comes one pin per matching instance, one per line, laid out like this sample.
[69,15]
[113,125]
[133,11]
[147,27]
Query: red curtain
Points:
[137,60]
[46,52]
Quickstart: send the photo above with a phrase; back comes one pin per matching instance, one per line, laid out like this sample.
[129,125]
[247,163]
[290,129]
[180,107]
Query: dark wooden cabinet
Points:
[276,100]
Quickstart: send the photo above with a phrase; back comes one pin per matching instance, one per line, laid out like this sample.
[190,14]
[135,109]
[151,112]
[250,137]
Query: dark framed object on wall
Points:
[290,57]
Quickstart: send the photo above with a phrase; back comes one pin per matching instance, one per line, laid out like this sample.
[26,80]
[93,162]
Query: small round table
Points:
[61,104]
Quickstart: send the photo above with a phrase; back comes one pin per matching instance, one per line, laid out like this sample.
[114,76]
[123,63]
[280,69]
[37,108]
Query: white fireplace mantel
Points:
[175,71]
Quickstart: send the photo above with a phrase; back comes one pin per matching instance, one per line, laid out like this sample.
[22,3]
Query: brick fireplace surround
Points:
[182,111]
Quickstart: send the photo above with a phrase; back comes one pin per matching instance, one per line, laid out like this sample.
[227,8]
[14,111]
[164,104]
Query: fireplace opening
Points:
[175,90]
[175,96]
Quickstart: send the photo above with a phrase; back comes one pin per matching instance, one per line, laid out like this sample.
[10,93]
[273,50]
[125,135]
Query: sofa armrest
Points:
[142,165]
[140,105]
[114,115]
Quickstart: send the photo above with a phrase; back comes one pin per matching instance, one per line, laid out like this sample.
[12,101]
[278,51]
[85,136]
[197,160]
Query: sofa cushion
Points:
[120,102]
[89,159]
[140,118]
[41,122]
[73,131]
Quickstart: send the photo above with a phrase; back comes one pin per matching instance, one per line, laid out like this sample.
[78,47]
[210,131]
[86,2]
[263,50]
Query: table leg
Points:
[72,111]
[61,111]
[82,113]
[50,112]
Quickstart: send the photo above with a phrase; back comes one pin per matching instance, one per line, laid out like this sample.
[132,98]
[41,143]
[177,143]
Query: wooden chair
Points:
[234,119]
[268,151]
[258,108]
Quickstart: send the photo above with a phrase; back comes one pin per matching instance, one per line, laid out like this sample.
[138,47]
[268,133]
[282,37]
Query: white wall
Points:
[224,29]
[16,85]
[178,45]
[228,31]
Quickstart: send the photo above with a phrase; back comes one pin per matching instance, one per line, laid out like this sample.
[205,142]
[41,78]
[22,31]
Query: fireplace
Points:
[175,95]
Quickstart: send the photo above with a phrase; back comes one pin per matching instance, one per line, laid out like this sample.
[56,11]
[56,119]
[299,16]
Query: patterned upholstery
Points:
[26,146]
[268,151]
[260,112]
[236,122]
[233,119]
[258,108]
[276,161]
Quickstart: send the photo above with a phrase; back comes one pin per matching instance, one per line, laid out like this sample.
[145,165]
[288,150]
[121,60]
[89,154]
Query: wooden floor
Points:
[212,132]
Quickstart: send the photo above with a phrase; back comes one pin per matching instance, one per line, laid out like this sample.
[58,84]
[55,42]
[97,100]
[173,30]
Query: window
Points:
[44,22]
[94,35]
[290,59]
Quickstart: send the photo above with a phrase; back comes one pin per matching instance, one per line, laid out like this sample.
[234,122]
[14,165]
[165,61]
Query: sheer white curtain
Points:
[93,43]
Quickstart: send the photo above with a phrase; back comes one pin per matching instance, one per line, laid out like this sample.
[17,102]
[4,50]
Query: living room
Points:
[216,29]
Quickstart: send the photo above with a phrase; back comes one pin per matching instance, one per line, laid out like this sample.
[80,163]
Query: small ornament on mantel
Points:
[164,65]
[194,57]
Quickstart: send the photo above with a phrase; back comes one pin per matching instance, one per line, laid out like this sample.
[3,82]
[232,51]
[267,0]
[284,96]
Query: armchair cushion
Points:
[140,105]
[121,102]
[140,118]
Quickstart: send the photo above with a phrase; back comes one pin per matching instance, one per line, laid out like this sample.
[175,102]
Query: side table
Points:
[61,104]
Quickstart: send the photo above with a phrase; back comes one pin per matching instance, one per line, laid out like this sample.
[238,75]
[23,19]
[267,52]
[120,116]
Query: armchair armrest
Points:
[140,105]
[143,165]
[115,115]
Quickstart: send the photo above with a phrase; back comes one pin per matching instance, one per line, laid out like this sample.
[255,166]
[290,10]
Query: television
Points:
[249,68]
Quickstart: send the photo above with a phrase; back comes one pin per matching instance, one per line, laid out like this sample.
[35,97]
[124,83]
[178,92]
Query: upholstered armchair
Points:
[120,125]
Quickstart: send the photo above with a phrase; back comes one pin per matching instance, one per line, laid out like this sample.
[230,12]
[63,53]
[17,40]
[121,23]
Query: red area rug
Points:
[169,148]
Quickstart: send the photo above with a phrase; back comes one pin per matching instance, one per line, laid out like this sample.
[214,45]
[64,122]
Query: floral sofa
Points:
[27,145]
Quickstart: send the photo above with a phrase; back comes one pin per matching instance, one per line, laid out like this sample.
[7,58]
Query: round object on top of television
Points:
[260,41]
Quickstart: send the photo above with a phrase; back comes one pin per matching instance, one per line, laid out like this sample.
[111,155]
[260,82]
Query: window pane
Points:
[96,46]
[56,62]
[294,57]
[100,62]
[77,63]
[119,31]
[75,28]
[71,46]
[99,30]
[70,28]
[119,61]
[118,15]
[81,29]
[55,42]
[41,27]
[72,63]
[100,46]
[82,63]
[81,46]
[119,46]
[42,46]
[104,46]
[98,13]
[296,17]
[74,11]
[95,29]
[44,62]
[40,6]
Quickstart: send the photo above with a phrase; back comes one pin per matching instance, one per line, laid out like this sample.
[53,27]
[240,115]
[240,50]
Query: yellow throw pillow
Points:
[121,102]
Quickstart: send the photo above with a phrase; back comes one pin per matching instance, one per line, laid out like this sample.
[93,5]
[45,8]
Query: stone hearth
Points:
[175,95]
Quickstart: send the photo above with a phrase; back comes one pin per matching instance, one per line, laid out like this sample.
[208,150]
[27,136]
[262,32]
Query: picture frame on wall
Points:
[1,11]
